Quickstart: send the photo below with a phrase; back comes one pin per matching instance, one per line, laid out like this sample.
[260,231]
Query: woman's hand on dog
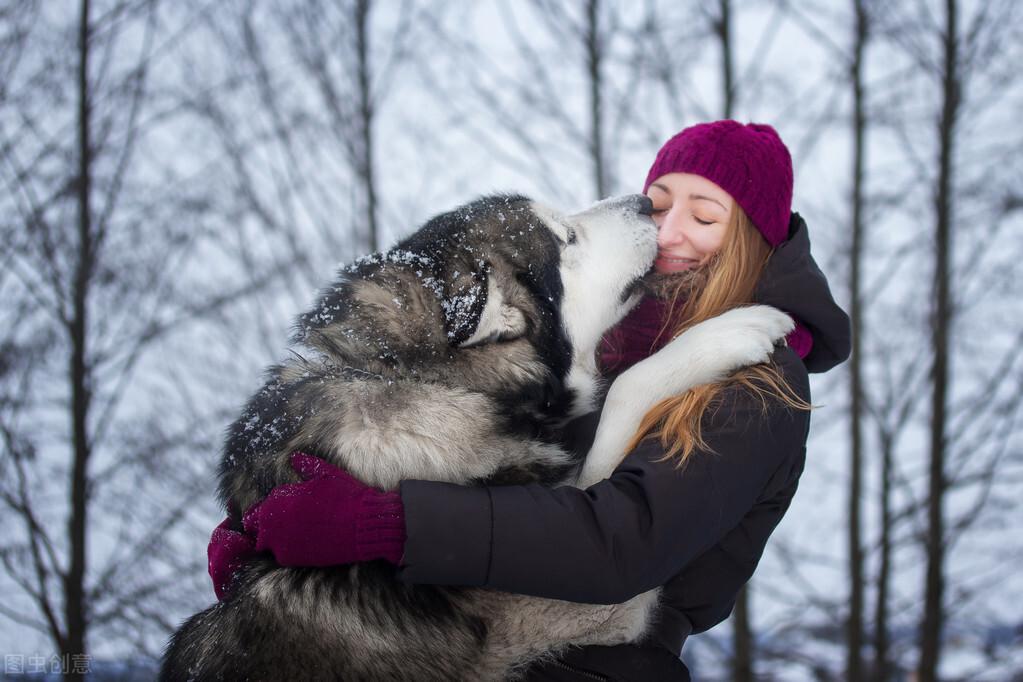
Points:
[227,552]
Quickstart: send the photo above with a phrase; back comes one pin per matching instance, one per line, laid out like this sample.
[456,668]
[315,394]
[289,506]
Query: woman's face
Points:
[691,214]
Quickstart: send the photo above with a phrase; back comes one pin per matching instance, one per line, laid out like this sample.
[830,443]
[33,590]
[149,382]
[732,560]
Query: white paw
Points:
[748,335]
[735,339]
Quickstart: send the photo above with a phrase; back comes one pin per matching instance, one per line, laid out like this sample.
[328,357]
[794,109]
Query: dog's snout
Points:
[629,203]
[637,203]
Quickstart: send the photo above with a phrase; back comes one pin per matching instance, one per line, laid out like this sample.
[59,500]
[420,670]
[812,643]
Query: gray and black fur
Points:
[447,358]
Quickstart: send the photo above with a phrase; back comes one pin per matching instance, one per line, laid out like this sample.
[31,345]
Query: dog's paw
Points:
[748,335]
[735,339]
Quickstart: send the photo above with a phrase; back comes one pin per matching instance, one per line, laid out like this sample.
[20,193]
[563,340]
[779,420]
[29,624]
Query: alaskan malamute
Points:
[455,356]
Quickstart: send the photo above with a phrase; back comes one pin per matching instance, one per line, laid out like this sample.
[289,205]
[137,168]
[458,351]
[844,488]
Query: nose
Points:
[670,230]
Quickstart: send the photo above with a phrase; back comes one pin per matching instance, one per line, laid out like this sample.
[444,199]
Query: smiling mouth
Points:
[670,259]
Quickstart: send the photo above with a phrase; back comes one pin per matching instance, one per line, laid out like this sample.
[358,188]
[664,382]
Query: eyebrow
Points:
[664,189]
[706,198]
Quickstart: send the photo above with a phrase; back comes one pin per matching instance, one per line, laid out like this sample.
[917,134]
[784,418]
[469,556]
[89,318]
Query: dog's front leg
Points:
[703,354]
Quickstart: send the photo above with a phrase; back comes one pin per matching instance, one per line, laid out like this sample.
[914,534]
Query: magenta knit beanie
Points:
[750,162]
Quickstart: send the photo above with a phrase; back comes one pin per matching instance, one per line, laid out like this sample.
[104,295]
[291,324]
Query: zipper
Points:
[585,673]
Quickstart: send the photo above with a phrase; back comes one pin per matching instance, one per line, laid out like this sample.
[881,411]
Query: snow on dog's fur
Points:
[456,356]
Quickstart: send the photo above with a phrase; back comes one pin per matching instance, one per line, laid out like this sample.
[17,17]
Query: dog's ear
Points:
[475,311]
[463,298]
[498,321]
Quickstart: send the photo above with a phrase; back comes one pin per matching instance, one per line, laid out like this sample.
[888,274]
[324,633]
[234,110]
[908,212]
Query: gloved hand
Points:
[328,518]
[227,552]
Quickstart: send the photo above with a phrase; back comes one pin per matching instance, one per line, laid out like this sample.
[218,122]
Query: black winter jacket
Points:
[699,533]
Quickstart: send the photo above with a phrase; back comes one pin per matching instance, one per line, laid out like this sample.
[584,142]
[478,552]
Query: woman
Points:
[692,505]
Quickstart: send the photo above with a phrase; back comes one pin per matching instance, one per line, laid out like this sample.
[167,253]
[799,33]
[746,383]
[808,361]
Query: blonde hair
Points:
[727,281]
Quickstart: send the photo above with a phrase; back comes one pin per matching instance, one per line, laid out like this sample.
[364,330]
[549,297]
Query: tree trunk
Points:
[742,639]
[854,626]
[79,371]
[594,56]
[930,635]
[724,29]
[881,668]
[366,113]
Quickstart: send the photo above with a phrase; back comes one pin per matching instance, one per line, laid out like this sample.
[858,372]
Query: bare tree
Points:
[961,56]
[364,163]
[557,129]
[891,374]
[931,628]
[854,666]
[303,88]
[73,639]
[103,237]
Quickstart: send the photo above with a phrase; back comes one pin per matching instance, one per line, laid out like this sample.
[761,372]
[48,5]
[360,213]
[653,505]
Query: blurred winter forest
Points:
[178,177]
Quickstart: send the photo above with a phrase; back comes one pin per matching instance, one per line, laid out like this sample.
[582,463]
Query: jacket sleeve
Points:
[622,536]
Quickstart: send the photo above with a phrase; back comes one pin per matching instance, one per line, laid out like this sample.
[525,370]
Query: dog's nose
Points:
[640,203]
[646,205]
[636,203]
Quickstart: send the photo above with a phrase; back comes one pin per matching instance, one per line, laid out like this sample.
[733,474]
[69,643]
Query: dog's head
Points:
[603,255]
[502,280]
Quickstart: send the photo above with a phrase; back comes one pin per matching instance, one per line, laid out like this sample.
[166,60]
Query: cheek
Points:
[709,241]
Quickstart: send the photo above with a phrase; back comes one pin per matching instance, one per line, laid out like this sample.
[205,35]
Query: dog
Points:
[455,356]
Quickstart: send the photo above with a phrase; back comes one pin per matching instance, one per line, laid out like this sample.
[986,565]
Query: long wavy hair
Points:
[725,282]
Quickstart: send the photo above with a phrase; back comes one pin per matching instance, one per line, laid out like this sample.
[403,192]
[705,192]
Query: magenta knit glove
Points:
[328,518]
[227,552]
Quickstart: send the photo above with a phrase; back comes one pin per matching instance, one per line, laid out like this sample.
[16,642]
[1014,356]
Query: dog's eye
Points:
[572,236]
